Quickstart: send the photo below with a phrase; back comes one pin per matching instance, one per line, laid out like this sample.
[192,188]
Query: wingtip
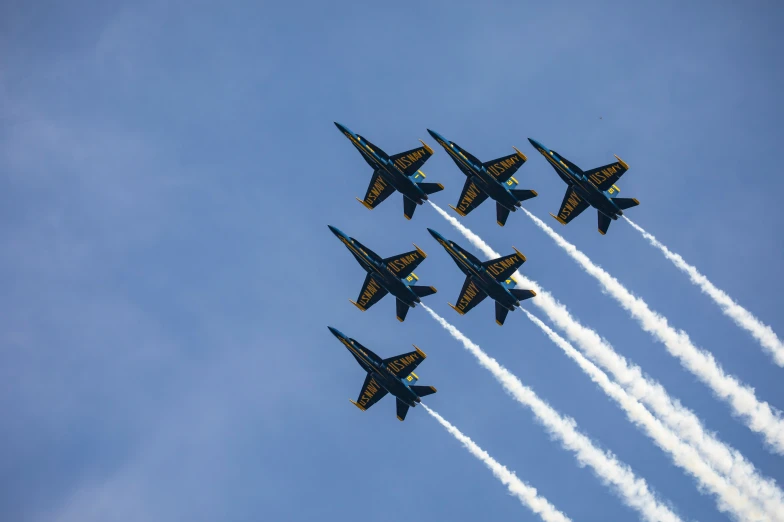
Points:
[419,351]
[519,254]
[427,147]
[399,319]
[400,418]
[458,211]
[364,203]
[357,305]
[499,223]
[433,288]
[561,221]
[635,200]
[456,309]
[602,233]
[362,408]
[499,323]
[421,252]
[623,163]
[523,156]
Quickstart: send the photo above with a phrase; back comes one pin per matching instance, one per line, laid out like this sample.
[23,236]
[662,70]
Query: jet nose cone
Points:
[341,128]
[335,231]
[434,133]
[434,233]
[534,143]
[334,331]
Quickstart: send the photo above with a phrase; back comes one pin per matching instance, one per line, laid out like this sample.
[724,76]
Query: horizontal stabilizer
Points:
[501,214]
[402,410]
[409,207]
[423,391]
[423,291]
[401,309]
[431,188]
[604,223]
[500,314]
[522,295]
[624,203]
[523,194]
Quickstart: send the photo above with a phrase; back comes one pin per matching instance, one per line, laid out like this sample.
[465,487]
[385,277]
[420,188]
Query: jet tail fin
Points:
[423,291]
[522,295]
[431,188]
[422,391]
[500,314]
[522,194]
[604,223]
[624,203]
[401,309]
[402,410]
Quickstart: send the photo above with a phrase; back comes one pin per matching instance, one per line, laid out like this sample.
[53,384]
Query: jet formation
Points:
[394,275]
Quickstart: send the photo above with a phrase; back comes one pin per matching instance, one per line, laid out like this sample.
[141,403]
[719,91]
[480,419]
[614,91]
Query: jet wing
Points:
[404,364]
[470,296]
[504,168]
[471,197]
[605,177]
[571,207]
[411,161]
[377,191]
[402,265]
[371,293]
[371,393]
[503,267]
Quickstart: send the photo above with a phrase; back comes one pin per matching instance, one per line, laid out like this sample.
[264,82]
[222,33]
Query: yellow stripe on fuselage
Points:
[458,256]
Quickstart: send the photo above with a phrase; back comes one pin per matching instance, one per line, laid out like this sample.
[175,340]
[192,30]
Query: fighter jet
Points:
[394,275]
[595,188]
[492,278]
[492,178]
[394,375]
[398,172]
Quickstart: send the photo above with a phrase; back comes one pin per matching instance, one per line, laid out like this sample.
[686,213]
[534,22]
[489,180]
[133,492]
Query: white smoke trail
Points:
[634,491]
[729,497]
[525,493]
[742,317]
[680,419]
[758,415]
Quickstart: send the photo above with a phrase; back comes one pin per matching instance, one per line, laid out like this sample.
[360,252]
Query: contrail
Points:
[758,415]
[633,490]
[730,499]
[742,317]
[525,493]
[680,419]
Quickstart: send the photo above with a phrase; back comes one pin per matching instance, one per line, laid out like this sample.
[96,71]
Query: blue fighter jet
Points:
[390,173]
[595,188]
[394,375]
[492,178]
[394,275]
[492,278]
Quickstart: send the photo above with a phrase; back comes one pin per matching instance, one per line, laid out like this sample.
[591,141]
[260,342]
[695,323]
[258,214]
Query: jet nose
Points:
[341,128]
[434,233]
[335,231]
[436,136]
[335,332]
[535,143]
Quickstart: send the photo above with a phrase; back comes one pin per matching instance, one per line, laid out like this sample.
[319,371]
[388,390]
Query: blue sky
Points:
[168,172]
